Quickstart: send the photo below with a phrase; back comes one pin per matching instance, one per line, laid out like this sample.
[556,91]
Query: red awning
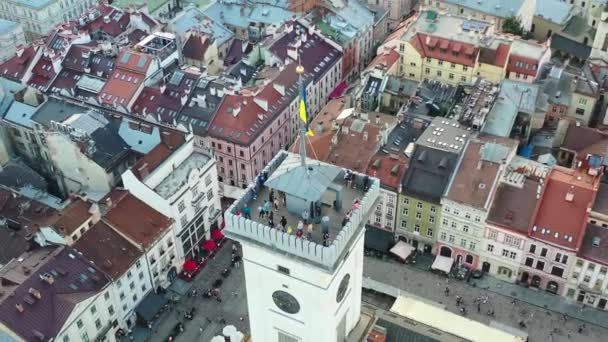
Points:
[338,91]
[190,265]
[217,234]
[209,245]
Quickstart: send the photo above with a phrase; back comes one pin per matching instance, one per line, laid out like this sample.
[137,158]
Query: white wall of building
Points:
[9,41]
[503,250]
[315,290]
[89,318]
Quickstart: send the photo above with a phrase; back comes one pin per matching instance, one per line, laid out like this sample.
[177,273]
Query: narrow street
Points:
[232,308]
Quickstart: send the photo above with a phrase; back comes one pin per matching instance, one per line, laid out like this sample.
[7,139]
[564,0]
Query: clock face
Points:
[286,302]
[342,288]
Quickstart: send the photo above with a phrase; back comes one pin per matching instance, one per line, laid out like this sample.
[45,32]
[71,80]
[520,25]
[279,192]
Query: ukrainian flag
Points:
[303,113]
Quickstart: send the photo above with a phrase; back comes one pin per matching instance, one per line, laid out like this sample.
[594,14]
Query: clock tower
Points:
[304,286]
[308,288]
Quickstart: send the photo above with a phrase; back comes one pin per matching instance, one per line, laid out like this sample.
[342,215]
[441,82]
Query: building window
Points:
[111,310]
[443,236]
[490,248]
[580,111]
[451,76]
[463,78]
[210,195]
[440,62]
[540,265]
[418,216]
[452,65]
[532,249]
[543,252]
[472,245]
[106,296]
[79,324]
[465,68]
[98,324]
[529,262]
[451,239]
[405,211]
[429,232]
[453,224]
[417,228]
[557,271]
[93,310]
[184,220]
[403,224]
[85,337]
[505,253]
[456,212]
[433,209]
[419,205]
[492,234]
[445,222]
[431,219]
[512,255]
[427,71]
[477,219]
[463,242]
[181,206]
[406,201]
[439,73]
[465,228]
[428,59]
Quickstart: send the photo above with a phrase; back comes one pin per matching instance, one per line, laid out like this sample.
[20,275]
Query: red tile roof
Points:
[474,179]
[196,46]
[15,67]
[168,104]
[157,155]
[442,49]
[559,220]
[66,79]
[134,61]
[113,27]
[117,254]
[387,59]
[387,165]
[121,87]
[134,218]
[522,65]
[42,73]
[73,216]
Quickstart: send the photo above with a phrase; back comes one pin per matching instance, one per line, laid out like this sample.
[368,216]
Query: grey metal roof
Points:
[429,173]
[310,183]
[570,46]
[55,110]
[21,114]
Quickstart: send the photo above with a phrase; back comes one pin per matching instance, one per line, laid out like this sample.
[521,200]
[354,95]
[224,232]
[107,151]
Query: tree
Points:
[513,25]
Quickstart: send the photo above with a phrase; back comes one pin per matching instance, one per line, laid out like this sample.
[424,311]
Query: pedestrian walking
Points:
[276,204]
[478,307]
[447,291]
[247,212]
[284,221]
[305,216]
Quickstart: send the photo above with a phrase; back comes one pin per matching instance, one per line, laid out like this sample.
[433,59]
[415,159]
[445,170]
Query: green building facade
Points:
[418,222]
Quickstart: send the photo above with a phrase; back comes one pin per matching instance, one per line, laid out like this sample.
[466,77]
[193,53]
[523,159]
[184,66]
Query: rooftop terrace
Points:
[176,179]
[287,165]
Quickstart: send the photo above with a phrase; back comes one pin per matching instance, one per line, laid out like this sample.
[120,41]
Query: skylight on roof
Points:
[125,58]
[142,61]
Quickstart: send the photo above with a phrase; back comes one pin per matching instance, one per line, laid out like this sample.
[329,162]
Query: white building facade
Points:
[38,17]
[183,187]
[11,36]
[501,252]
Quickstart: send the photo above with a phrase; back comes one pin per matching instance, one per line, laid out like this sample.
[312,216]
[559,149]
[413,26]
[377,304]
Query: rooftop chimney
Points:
[143,172]
[35,293]
[570,196]
[365,136]
[47,278]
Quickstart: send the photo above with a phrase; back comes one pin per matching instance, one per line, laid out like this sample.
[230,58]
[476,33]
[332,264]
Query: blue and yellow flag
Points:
[303,112]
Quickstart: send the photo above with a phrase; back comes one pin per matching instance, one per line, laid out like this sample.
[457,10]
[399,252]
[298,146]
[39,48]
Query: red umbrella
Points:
[217,234]
[189,265]
[209,245]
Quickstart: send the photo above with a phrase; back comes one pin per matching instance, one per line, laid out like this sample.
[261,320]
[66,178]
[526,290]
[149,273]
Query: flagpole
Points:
[300,72]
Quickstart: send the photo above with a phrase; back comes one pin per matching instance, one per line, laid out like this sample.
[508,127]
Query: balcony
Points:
[214,215]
